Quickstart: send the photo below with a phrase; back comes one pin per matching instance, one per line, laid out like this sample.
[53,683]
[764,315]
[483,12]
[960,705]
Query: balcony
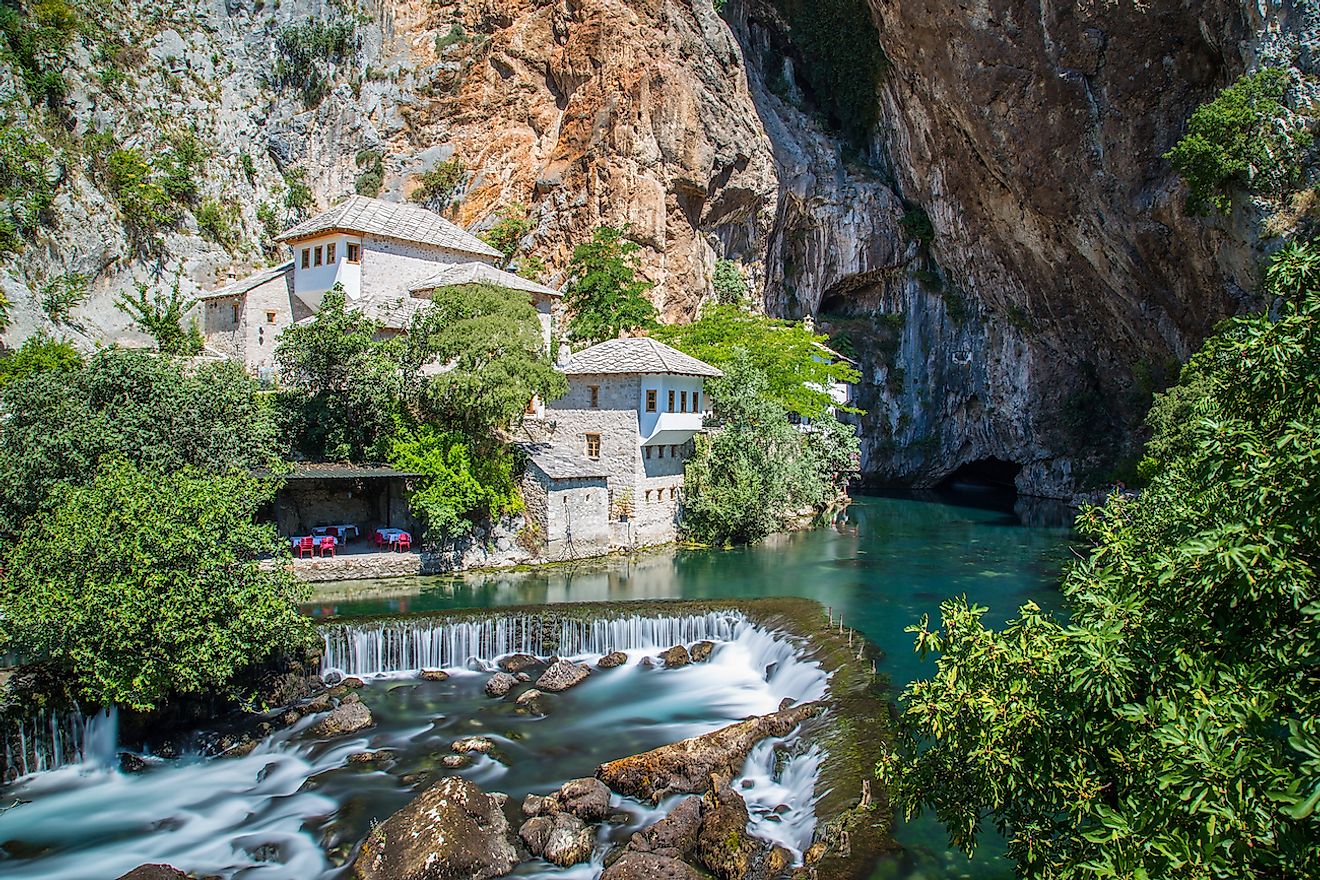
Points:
[671,427]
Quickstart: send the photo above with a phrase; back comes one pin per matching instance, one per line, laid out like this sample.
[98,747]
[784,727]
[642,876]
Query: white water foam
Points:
[61,739]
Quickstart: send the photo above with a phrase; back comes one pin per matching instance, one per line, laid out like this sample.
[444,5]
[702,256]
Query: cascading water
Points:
[296,806]
[59,739]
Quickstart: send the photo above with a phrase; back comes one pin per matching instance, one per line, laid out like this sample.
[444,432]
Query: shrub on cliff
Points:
[605,298]
[748,478]
[1246,137]
[138,586]
[465,480]
[1170,725]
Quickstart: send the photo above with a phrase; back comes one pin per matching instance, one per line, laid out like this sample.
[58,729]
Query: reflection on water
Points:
[887,562]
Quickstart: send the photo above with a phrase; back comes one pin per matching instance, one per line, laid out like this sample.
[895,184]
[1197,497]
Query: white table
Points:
[346,529]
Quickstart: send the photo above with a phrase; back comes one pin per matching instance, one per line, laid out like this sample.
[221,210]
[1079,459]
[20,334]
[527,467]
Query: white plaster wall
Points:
[693,386]
[319,279]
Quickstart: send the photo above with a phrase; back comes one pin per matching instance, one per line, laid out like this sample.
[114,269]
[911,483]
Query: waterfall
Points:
[411,645]
[54,739]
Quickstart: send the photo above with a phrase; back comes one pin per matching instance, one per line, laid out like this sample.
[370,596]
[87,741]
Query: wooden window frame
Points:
[682,401]
[271,317]
[353,252]
[317,256]
[671,400]
[647,453]
[330,251]
[306,258]
[595,396]
[651,395]
[673,450]
[593,446]
[237,313]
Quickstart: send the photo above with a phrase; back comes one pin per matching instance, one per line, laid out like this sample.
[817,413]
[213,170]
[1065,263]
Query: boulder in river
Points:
[649,866]
[528,696]
[675,835]
[344,719]
[451,831]
[701,651]
[433,675]
[561,676]
[676,657]
[500,684]
[612,659]
[480,744]
[686,767]
[154,872]
[726,849]
[560,838]
[516,663]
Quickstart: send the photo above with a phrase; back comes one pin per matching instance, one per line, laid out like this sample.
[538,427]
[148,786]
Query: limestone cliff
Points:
[969,195]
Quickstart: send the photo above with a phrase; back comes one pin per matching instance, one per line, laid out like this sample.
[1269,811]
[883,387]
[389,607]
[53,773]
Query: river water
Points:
[295,806]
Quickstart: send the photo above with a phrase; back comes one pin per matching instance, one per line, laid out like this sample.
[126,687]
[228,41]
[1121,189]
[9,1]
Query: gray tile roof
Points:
[482,273]
[238,288]
[638,355]
[392,220]
[395,313]
[559,463]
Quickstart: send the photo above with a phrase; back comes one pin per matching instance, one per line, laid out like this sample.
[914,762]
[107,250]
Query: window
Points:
[330,253]
[648,496]
[593,446]
[237,312]
[316,256]
[648,451]
[673,451]
[660,451]
[696,401]
[671,400]
[595,396]
[673,492]
[353,252]
[650,400]
[307,257]
[682,401]
[270,317]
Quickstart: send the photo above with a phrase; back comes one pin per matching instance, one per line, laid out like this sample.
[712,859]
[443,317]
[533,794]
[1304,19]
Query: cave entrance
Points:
[984,473]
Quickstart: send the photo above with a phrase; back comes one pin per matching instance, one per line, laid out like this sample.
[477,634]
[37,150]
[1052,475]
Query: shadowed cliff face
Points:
[1056,281]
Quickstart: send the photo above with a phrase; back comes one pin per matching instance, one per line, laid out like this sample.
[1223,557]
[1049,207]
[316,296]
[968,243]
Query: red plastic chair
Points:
[306,547]
[404,542]
[328,545]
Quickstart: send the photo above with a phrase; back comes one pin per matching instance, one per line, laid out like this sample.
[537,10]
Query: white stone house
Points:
[389,258]
[608,472]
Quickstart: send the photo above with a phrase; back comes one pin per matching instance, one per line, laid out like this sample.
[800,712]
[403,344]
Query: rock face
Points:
[345,719]
[561,676]
[686,767]
[452,830]
[1058,269]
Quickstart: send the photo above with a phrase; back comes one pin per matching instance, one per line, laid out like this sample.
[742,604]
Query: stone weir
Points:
[853,820]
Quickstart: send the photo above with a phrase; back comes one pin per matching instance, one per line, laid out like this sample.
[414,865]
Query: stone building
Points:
[389,258]
[607,470]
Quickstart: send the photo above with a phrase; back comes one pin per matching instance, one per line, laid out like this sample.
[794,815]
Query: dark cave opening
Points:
[984,473]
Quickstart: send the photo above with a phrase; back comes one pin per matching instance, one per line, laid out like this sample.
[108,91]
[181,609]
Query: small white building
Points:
[390,258]
[609,469]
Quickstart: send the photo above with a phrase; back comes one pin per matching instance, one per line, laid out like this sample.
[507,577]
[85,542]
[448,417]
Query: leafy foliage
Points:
[437,187]
[495,352]
[151,193]
[297,194]
[346,385]
[797,366]
[1245,137]
[916,223]
[465,480]
[220,221]
[306,52]
[37,35]
[61,295]
[746,480]
[511,225]
[160,316]
[730,284]
[62,417]
[605,296]
[1170,727]
[29,178]
[139,585]
[371,174]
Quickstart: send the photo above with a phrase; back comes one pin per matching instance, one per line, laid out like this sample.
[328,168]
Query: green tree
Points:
[1170,726]
[750,476]
[437,187]
[796,363]
[345,384]
[160,316]
[491,342]
[729,283]
[1246,137]
[61,418]
[510,226]
[605,296]
[138,586]
[465,480]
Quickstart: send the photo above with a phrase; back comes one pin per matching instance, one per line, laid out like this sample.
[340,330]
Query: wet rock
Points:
[560,838]
[675,835]
[154,872]
[528,696]
[480,744]
[316,705]
[612,659]
[350,699]
[523,677]
[353,682]
[452,830]
[290,717]
[649,866]
[676,657]
[686,767]
[433,675]
[347,718]
[369,757]
[561,676]
[726,849]
[587,798]
[516,663]
[332,678]
[646,663]
[500,684]
[455,762]
[701,651]
[131,763]
[533,805]
[240,750]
